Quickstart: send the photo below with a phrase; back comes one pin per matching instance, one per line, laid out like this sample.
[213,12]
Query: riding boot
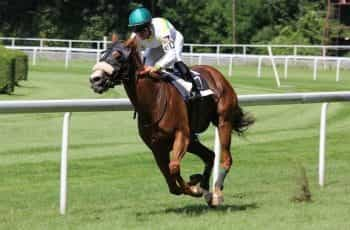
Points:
[187,76]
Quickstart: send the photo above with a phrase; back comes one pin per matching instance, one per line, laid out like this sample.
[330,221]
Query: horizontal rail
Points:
[185,54]
[74,105]
[90,105]
[294,98]
[186,44]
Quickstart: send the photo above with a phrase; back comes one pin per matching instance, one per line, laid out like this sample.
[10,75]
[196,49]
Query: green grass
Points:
[114,182]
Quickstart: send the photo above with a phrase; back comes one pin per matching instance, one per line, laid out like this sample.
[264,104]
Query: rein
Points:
[164,106]
[127,72]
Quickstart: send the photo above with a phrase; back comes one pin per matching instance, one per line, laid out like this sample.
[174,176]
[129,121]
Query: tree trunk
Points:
[326,24]
[234,22]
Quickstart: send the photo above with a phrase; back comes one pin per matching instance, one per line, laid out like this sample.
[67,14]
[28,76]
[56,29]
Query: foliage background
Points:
[257,21]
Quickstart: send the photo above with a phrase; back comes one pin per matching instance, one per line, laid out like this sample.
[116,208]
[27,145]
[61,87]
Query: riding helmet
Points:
[139,16]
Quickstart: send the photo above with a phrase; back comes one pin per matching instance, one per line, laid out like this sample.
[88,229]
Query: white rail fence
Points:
[89,105]
[191,47]
[205,58]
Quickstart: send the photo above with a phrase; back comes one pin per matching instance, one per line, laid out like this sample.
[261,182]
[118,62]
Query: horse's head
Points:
[112,68]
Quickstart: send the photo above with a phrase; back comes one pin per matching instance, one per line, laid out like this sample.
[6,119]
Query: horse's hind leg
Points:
[225,129]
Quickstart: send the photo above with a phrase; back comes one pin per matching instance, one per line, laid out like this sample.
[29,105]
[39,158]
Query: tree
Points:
[234,22]
[201,21]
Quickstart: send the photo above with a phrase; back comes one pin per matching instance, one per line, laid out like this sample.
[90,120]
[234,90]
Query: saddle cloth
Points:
[185,88]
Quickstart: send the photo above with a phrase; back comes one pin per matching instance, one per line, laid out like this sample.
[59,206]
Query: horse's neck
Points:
[142,92]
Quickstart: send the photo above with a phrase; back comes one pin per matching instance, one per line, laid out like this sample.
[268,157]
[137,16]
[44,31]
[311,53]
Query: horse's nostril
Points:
[95,79]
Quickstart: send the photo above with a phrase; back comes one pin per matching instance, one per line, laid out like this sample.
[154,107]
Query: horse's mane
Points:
[131,43]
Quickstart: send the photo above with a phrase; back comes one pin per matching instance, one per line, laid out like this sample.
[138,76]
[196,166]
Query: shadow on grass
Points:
[197,210]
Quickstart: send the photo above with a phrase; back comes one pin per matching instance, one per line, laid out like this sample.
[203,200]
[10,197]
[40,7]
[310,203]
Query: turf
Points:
[114,182]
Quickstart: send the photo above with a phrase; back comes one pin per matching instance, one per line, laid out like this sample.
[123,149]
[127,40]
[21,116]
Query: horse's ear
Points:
[114,37]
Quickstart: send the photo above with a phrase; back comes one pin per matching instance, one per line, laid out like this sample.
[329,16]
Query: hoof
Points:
[217,199]
[176,191]
[196,191]
[208,197]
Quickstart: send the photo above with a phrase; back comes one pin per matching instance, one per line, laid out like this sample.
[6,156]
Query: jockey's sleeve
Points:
[168,45]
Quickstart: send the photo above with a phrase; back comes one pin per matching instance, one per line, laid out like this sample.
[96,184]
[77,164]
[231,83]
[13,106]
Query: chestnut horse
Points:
[164,117]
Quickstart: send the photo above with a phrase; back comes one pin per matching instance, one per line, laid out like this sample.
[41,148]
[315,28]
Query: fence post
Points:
[34,56]
[337,78]
[217,151]
[259,66]
[286,68]
[64,163]
[191,53]
[218,54]
[244,50]
[274,66]
[200,59]
[98,53]
[322,147]
[324,51]
[67,58]
[13,42]
[244,54]
[230,67]
[104,42]
[315,68]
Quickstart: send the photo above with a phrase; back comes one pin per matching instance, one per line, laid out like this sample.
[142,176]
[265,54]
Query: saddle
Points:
[197,101]
[195,89]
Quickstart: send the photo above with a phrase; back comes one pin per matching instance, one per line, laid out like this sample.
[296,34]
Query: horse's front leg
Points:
[160,149]
[180,146]
[207,156]
[162,159]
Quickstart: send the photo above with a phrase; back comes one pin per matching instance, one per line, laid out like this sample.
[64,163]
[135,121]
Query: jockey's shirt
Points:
[163,34]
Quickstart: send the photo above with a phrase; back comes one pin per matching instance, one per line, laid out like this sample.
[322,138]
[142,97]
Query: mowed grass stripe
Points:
[114,182]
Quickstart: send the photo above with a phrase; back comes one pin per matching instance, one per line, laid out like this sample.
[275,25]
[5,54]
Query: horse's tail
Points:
[241,120]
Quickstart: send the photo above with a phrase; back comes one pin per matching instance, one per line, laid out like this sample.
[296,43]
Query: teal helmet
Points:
[139,17]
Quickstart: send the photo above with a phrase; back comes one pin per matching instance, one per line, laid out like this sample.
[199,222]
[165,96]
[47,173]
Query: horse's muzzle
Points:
[98,81]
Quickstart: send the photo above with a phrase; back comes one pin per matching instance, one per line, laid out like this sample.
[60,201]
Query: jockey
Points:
[161,42]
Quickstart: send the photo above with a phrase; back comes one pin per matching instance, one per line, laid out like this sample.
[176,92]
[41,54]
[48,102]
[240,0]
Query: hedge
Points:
[21,65]
[13,68]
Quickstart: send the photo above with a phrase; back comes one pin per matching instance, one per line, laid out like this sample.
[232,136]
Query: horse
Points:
[164,118]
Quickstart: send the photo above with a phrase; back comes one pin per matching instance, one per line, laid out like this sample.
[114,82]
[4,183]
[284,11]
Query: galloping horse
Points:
[164,117]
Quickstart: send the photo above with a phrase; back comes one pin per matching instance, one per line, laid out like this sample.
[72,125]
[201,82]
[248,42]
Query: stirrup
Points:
[195,94]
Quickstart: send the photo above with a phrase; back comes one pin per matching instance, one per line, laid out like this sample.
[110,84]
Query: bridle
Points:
[121,68]
[122,71]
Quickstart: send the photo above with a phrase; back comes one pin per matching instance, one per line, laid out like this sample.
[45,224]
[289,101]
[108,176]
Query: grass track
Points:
[115,184]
